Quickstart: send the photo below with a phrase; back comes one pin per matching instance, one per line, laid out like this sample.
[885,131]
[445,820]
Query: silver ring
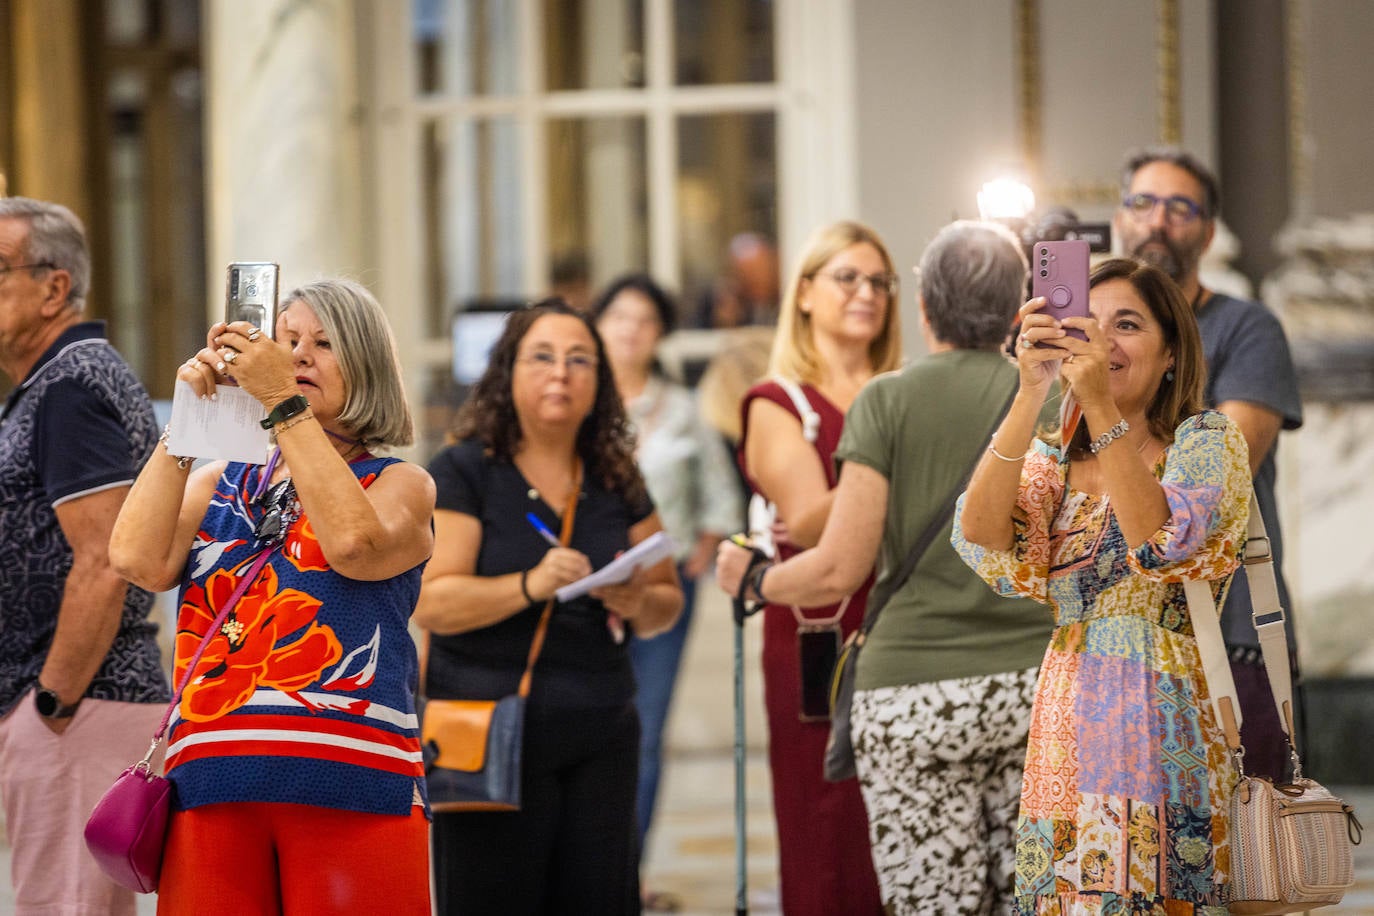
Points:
[231,356]
[1069,358]
[1025,341]
[253,335]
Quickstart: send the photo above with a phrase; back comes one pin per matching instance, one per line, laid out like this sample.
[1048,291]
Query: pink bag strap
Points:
[258,562]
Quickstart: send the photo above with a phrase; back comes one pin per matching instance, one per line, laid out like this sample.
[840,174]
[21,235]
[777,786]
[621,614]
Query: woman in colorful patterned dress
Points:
[295,749]
[1123,808]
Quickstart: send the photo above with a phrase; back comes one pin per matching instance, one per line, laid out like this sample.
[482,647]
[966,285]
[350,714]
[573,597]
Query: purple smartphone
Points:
[1059,272]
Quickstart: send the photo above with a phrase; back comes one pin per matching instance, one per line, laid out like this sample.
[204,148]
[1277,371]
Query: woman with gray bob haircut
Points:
[295,749]
[944,683]
[375,407]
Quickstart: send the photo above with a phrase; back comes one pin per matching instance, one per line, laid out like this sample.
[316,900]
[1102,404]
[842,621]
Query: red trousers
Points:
[274,858]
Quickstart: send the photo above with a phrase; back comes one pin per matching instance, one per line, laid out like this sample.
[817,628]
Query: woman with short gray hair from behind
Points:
[944,683]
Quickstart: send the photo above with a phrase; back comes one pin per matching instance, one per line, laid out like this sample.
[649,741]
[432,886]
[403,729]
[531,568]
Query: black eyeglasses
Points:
[37,265]
[850,279]
[1178,210]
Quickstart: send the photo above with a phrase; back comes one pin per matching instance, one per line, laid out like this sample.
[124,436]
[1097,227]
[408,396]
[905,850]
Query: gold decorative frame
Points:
[1168,102]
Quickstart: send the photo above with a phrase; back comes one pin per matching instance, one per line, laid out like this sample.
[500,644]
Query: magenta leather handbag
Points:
[127,829]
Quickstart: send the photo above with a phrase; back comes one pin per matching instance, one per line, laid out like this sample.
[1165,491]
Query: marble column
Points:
[285,139]
[1325,291]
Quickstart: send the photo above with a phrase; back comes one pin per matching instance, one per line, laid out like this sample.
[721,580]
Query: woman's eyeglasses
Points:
[1178,210]
[545,361]
[849,280]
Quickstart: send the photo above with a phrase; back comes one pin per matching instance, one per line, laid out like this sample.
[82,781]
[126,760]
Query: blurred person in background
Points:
[1170,203]
[944,684]
[81,682]
[693,485]
[838,328]
[747,293]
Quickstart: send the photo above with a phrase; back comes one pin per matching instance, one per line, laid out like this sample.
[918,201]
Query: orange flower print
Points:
[270,639]
[301,546]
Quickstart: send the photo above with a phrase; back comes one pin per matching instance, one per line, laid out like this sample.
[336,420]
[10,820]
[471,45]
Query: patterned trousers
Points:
[940,767]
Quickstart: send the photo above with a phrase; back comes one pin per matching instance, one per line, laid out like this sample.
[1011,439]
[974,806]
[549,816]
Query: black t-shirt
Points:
[581,664]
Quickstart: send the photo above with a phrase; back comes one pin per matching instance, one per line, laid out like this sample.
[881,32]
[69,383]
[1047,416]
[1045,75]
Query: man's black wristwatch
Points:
[49,704]
[286,410]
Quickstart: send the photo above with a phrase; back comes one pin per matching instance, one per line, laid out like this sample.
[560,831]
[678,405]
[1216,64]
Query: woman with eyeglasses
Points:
[687,469]
[543,447]
[838,327]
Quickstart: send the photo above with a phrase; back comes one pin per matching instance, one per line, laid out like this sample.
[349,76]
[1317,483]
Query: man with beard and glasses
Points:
[1169,206]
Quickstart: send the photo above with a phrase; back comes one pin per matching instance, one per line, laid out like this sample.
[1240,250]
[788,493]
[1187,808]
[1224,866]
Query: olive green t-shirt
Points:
[920,429]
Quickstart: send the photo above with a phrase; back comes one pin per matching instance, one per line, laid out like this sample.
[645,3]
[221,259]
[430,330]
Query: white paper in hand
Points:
[646,553]
[225,429]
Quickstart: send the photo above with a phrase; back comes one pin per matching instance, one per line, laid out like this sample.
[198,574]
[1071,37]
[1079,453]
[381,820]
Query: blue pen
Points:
[544,532]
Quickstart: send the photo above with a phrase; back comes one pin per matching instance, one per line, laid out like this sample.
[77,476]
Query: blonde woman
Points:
[838,328]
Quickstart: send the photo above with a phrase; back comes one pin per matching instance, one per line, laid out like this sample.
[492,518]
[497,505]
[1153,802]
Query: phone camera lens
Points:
[234,282]
[1044,262]
[1044,273]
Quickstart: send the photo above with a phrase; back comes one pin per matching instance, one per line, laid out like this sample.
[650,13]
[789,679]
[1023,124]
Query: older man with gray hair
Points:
[81,681]
[944,685]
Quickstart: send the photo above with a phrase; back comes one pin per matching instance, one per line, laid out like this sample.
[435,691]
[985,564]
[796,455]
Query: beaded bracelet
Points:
[1110,436]
[183,461]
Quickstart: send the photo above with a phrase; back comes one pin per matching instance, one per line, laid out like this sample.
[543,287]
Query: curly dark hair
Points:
[605,441]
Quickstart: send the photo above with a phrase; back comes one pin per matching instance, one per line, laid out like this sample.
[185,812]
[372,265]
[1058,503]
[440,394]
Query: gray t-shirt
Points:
[920,429]
[1248,360]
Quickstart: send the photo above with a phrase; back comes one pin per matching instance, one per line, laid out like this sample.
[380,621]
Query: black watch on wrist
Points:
[286,410]
[49,704]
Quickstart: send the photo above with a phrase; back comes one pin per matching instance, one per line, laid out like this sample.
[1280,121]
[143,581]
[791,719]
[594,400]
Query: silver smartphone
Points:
[250,294]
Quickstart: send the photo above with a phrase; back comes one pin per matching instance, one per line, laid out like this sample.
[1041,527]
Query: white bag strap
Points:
[761,511]
[810,420]
[1268,618]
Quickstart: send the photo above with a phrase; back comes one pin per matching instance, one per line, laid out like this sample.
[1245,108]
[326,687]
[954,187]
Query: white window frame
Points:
[813,98]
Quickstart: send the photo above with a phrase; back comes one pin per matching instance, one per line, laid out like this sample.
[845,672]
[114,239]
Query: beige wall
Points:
[940,111]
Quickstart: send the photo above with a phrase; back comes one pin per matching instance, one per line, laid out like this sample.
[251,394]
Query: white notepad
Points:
[641,556]
[225,429]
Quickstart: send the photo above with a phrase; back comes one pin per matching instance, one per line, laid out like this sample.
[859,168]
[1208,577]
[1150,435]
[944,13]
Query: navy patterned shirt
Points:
[79,423]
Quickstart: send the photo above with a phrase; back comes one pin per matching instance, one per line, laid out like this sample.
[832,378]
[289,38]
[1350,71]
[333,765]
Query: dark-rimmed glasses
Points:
[849,280]
[36,265]
[545,361]
[1178,210]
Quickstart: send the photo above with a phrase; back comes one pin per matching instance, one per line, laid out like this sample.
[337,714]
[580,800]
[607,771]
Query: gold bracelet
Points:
[298,418]
[996,454]
[183,461]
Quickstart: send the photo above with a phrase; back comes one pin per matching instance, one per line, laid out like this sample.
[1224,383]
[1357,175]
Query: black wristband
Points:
[756,581]
[524,587]
[286,410]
